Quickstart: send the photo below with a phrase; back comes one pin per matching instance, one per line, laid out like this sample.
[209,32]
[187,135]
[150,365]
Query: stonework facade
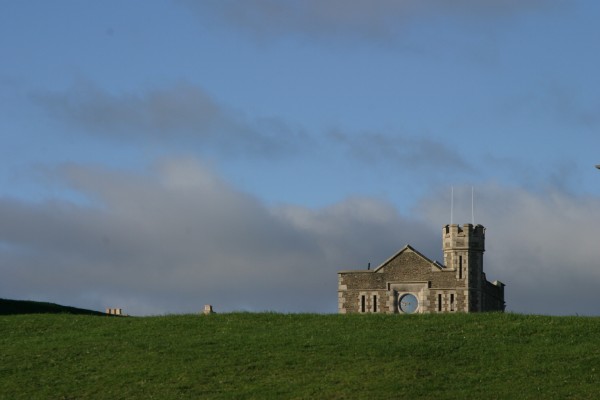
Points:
[409,282]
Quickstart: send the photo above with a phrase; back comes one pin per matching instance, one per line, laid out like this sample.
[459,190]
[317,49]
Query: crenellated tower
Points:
[463,253]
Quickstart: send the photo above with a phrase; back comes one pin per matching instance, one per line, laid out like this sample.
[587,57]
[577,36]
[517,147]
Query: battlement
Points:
[466,229]
[468,236]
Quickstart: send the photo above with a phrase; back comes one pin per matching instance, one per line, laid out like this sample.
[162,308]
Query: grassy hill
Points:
[12,307]
[505,356]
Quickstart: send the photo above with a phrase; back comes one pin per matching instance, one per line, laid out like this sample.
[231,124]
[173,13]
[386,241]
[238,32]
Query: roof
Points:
[404,249]
[410,248]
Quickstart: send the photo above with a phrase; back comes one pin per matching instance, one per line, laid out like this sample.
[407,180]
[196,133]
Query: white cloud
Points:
[172,241]
[181,237]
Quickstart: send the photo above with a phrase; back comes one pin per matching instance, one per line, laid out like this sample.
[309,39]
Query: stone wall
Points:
[438,289]
[458,286]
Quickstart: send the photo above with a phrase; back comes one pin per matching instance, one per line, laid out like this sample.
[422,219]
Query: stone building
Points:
[409,282]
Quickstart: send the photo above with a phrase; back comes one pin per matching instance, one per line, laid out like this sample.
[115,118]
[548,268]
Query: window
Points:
[452,302]
[362,303]
[460,267]
[440,302]
[374,303]
[408,303]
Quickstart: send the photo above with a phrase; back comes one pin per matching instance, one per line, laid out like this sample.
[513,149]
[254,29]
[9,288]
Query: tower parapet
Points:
[467,237]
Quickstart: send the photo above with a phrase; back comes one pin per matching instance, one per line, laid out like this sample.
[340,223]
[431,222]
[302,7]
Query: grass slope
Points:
[223,356]
[11,307]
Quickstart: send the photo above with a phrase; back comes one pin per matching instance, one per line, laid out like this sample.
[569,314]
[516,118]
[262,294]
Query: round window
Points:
[408,303]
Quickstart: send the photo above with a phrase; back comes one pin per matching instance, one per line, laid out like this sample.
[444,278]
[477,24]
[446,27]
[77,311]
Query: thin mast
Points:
[472,206]
[451,205]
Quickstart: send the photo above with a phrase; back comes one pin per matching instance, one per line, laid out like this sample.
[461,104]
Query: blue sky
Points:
[162,155]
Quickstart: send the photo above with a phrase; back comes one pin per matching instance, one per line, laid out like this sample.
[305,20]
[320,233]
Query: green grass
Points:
[265,355]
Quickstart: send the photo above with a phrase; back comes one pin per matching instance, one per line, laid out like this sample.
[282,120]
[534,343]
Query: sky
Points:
[160,155]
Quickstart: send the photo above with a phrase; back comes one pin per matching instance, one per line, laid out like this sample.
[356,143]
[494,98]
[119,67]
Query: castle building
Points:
[409,282]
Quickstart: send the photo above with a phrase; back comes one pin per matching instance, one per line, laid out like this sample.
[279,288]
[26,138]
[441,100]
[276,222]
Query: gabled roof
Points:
[412,249]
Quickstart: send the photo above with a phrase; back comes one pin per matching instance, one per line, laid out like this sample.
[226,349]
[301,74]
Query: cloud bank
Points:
[179,237]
